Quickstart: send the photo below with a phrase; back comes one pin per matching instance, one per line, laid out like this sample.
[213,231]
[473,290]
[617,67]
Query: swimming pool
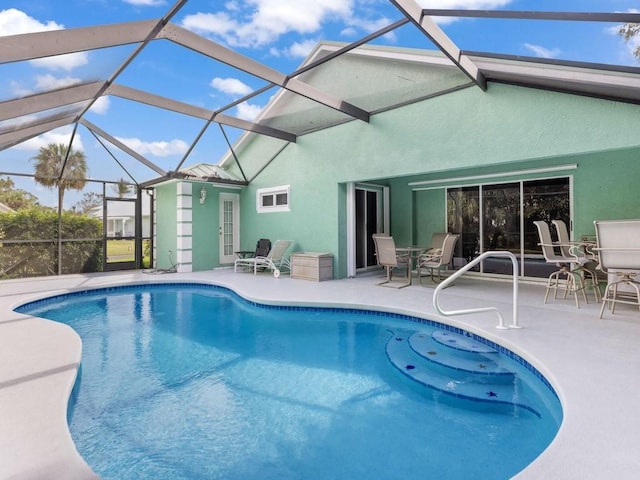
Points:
[191,381]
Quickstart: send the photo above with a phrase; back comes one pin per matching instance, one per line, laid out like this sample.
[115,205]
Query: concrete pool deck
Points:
[593,364]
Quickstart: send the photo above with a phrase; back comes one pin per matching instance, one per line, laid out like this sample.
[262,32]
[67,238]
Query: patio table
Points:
[584,251]
[413,252]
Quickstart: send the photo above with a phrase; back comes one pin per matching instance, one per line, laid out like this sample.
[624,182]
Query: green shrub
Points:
[40,257]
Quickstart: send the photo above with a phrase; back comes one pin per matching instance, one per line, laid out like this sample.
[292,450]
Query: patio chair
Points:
[262,249]
[572,283]
[263,246]
[437,258]
[437,242]
[275,260]
[618,248]
[586,259]
[388,257]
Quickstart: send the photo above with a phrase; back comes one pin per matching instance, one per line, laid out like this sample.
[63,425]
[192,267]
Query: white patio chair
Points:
[437,241]
[618,247]
[437,258]
[587,260]
[387,257]
[275,260]
[572,283]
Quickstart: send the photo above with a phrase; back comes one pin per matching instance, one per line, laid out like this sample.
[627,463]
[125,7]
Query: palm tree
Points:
[122,188]
[49,163]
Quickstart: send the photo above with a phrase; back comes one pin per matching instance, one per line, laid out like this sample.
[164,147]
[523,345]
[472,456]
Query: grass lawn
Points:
[120,251]
[124,251]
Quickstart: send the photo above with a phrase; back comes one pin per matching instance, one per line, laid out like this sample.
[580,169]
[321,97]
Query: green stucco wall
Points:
[603,189]
[206,238]
[429,215]
[462,129]
[606,188]
[313,220]
[466,132]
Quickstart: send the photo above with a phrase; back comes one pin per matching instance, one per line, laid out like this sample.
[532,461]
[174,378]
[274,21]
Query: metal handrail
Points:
[446,282]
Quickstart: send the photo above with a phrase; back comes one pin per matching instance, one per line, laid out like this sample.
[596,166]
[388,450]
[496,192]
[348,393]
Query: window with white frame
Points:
[274,199]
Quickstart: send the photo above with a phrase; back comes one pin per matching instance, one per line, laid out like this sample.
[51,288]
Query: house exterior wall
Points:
[205,228]
[607,187]
[603,188]
[427,213]
[206,223]
[186,227]
[468,131]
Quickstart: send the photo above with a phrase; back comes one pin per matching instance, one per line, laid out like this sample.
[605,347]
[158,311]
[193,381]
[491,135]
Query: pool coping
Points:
[599,436]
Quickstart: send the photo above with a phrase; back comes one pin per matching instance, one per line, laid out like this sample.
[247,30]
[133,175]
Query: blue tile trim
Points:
[352,311]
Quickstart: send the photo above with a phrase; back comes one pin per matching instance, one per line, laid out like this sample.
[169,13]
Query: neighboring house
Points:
[121,217]
[5,209]
[439,153]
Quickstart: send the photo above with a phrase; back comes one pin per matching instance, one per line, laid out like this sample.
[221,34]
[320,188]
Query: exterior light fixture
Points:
[203,195]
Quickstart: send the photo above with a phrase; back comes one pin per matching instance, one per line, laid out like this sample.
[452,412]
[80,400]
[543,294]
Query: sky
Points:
[278,33]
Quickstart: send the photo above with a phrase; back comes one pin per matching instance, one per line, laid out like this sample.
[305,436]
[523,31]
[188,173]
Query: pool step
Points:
[458,352]
[468,385]
[460,342]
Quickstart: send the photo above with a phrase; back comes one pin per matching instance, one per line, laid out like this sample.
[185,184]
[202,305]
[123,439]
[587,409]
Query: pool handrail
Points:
[446,282]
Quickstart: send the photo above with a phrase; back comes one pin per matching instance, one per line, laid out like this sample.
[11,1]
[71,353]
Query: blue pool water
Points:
[193,382]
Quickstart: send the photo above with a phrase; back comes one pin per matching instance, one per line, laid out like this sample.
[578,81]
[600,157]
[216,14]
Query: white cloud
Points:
[249,112]
[219,24]
[369,26]
[231,86]
[60,135]
[49,82]
[613,30]
[157,149]
[43,83]
[146,3]
[541,51]
[15,22]
[18,89]
[270,20]
[349,32]
[301,49]
[68,61]
[101,105]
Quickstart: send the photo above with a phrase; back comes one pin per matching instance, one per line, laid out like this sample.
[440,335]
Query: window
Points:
[275,199]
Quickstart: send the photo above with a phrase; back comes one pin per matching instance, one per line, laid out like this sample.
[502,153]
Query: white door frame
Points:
[351,220]
[227,255]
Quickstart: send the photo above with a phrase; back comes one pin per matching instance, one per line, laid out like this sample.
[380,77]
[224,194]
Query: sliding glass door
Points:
[463,217]
[542,200]
[367,223]
[500,217]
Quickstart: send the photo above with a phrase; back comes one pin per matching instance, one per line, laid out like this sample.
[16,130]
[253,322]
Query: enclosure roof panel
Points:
[188,83]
